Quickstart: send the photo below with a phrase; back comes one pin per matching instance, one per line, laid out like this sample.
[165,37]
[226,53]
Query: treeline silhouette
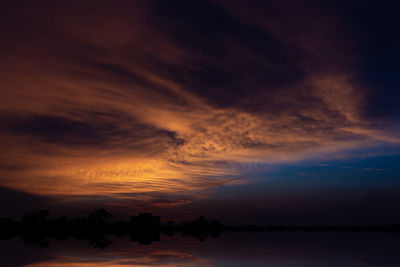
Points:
[35,228]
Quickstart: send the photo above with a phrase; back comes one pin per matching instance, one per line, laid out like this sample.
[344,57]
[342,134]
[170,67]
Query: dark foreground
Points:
[36,229]
[275,249]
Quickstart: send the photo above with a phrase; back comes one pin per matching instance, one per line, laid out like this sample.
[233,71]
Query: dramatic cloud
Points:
[161,101]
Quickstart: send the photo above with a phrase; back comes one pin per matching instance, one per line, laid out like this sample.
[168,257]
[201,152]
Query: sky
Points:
[281,112]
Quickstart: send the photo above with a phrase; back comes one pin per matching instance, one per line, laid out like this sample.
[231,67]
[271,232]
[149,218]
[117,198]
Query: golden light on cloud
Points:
[185,151]
[142,257]
[125,106]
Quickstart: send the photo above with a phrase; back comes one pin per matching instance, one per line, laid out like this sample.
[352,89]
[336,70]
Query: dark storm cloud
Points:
[232,63]
[376,32]
[57,130]
[99,132]
[380,57]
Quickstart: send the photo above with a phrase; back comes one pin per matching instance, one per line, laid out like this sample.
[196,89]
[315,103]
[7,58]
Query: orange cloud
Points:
[125,106]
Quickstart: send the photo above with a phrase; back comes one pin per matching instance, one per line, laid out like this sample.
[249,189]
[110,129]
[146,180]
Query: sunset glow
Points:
[155,103]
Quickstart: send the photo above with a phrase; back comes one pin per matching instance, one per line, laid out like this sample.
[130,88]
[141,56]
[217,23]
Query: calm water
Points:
[230,249]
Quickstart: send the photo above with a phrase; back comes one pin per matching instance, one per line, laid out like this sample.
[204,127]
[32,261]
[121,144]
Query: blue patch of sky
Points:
[354,174]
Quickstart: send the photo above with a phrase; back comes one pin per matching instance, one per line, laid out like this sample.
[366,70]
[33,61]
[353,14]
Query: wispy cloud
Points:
[375,170]
[148,102]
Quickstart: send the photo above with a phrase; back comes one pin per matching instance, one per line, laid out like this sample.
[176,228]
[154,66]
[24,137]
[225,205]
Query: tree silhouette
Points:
[99,216]
[36,217]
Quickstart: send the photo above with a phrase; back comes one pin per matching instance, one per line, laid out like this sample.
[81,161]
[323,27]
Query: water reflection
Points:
[230,249]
